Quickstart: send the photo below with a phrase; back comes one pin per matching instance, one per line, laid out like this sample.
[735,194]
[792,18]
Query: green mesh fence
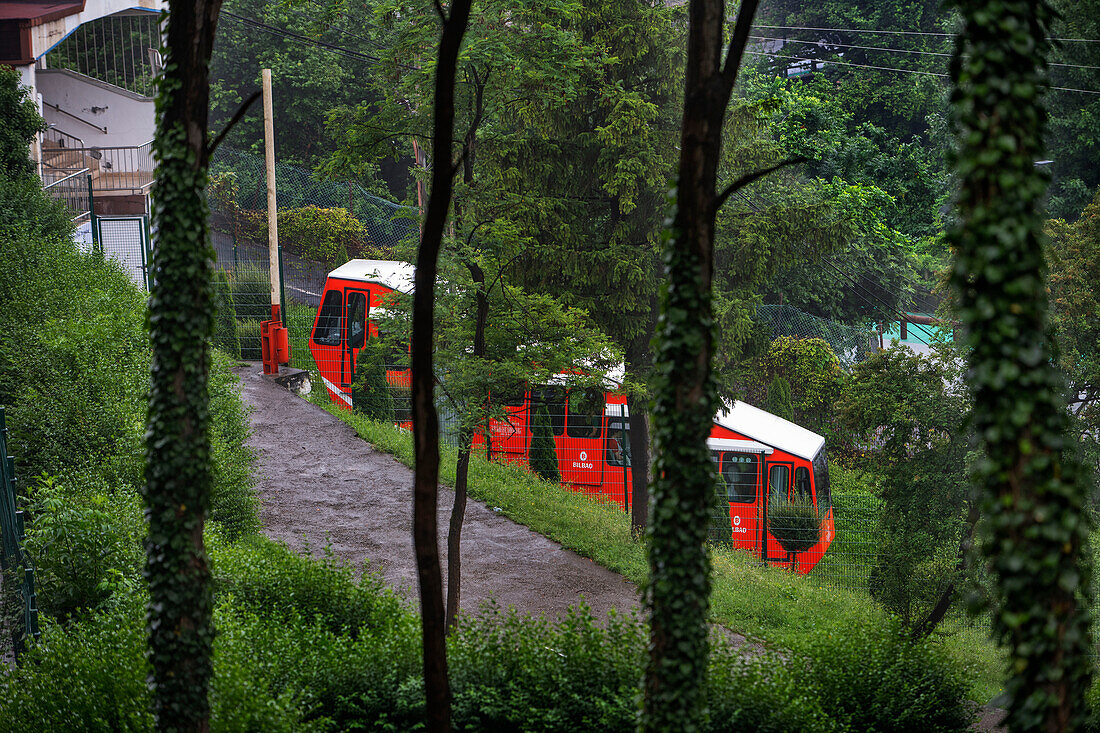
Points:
[322,223]
[851,344]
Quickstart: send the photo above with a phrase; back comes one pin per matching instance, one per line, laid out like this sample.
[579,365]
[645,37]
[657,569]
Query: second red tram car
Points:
[756,454]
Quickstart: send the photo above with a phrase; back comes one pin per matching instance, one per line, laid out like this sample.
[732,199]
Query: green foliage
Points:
[907,411]
[21,123]
[1036,529]
[515,673]
[225,323]
[794,521]
[329,237]
[234,506]
[543,456]
[84,540]
[779,398]
[370,392]
[809,373]
[875,678]
[267,579]
[82,677]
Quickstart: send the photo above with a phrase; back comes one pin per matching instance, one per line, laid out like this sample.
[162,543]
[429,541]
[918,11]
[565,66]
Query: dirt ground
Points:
[321,484]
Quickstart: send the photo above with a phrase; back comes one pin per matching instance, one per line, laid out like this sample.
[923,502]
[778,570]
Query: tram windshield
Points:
[327,332]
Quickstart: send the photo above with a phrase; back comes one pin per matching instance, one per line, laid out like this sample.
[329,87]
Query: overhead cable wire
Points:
[358,55]
[864,293]
[830,45]
[892,68]
[900,33]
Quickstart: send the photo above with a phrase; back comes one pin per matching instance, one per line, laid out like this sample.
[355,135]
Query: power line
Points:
[891,68]
[298,37]
[830,45]
[900,33]
[859,290]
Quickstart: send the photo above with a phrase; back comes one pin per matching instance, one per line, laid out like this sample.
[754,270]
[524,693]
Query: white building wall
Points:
[127,117]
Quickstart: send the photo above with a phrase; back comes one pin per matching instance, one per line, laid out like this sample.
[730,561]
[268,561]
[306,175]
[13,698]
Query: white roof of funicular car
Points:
[752,422]
[394,275]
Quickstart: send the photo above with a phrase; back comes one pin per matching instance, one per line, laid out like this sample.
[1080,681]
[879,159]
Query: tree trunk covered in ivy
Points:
[677,593]
[425,418]
[181,319]
[1033,496]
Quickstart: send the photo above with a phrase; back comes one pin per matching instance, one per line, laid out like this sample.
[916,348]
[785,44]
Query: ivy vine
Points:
[1033,497]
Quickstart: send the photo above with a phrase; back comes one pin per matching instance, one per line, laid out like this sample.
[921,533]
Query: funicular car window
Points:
[327,331]
[739,472]
[553,398]
[585,414]
[821,479]
[618,444]
[802,483]
[779,479]
[357,319]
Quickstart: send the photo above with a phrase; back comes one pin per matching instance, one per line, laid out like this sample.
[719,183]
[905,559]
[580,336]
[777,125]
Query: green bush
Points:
[370,392]
[876,679]
[779,398]
[329,236]
[225,320]
[794,521]
[763,694]
[543,455]
[265,578]
[248,334]
[234,505]
[82,677]
[520,673]
[84,540]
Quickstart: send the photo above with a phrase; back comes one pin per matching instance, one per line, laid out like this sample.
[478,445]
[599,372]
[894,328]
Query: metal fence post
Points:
[96,244]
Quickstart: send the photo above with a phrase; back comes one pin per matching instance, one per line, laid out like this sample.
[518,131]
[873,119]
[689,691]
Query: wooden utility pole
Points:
[272,208]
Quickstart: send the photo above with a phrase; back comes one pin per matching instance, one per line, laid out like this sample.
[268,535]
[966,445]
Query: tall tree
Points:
[425,418]
[181,320]
[678,590]
[1037,530]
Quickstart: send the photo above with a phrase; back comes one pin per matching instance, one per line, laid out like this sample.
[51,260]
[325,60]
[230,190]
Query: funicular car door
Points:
[616,478]
[777,478]
[581,452]
[356,306]
[326,344]
[740,474]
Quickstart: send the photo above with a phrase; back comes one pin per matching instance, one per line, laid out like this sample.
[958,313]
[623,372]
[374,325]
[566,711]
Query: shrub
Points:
[762,694]
[84,540]
[225,320]
[876,679]
[82,677]
[520,673]
[234,505]
[794,521]
[265,578]
[370,392]
[543,455]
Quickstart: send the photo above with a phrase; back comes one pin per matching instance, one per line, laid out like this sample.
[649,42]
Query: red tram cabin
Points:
[756,454]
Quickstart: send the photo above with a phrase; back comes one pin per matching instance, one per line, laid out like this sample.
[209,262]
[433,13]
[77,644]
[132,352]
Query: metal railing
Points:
[73,191]
[122,168]
[115,49]
[60,155]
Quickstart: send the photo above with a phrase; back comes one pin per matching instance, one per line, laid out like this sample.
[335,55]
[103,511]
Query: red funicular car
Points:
[756,453]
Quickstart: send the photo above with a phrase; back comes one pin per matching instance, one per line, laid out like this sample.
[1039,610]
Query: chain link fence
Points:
[322,223]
